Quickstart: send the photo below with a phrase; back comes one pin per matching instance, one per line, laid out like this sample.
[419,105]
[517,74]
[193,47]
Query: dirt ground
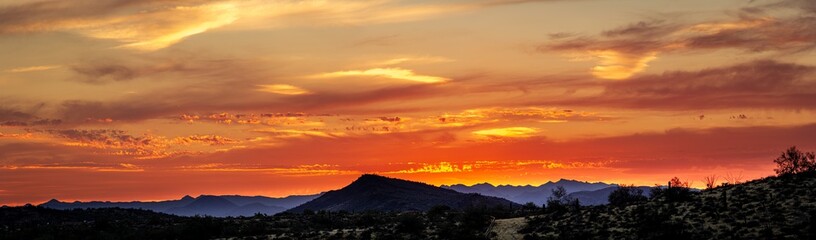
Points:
[507,229]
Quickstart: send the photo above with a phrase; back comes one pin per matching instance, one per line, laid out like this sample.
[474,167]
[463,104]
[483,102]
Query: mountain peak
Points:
[187,197]
[563,180]
[375,192]
[371,177]
[484,184]
[53,200]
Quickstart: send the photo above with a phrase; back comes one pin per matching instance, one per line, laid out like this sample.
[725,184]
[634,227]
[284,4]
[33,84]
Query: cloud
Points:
[286,133]
[618,65]
[151,25]
[513,132]
[441,167]
[141,25]
[13,114]
[284,89]
[105,73]
[38,122]
[758,84]
[186,66]
[114,142]
[625,51]
[123,167]
[211,140]
[393,73]
[424,59]
[32,68]
[299,170]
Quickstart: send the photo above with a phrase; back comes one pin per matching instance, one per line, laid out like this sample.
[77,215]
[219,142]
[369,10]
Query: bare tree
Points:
[710,181]
[733,179]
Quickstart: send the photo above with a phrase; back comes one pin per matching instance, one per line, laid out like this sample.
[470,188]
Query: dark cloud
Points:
[759,84]
[644,29]
[12,117]
[183,67]
[754,30]
[7,114]
[102,137]
[105,73]
[796,34]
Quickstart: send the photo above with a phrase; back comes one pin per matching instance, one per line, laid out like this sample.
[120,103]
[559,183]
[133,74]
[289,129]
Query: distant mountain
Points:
[374,192]
[600,196]
[528,193]
[217,206]
[210,205]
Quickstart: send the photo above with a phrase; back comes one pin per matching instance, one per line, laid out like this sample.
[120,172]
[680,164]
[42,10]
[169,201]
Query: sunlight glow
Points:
[507,132]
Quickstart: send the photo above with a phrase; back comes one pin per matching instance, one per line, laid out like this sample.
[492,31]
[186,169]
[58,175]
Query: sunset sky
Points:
[157,99]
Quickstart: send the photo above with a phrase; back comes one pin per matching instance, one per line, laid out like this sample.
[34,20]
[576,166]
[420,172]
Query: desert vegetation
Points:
[777,207]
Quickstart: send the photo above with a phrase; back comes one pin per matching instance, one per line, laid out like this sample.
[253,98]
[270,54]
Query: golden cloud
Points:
[619,65]
[284,89]
[441,167]
[32,68]
[392,73]
[299,170]
[507,132]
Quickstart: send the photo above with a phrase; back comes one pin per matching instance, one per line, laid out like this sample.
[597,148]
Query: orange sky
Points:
[150,100]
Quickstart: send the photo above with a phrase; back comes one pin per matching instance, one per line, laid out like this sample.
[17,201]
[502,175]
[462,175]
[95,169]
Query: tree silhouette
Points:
[793,161]
[710,181]
[678,190]
[676,182]
[733,178]
[626,195]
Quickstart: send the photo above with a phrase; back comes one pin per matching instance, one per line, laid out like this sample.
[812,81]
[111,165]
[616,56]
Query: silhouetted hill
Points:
[373,192]
[528,193]
[771,208]
[220,206]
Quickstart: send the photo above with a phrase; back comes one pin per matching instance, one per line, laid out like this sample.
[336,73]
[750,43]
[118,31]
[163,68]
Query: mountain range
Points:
[369,192]
[377,193]
[217,206]
[584,191]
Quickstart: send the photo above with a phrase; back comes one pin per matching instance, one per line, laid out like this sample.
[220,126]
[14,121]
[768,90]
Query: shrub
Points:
[626,195]
[793,161]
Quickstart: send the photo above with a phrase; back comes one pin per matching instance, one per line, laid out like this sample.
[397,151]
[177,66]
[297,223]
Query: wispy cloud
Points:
[32,68]
[392,73]
[284,89]
[619,65]
[421,59]
[513,132]
[299,170]
[623,52]
[86,166]
[152,25]
[765,84]
[441,167]
[141,25]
